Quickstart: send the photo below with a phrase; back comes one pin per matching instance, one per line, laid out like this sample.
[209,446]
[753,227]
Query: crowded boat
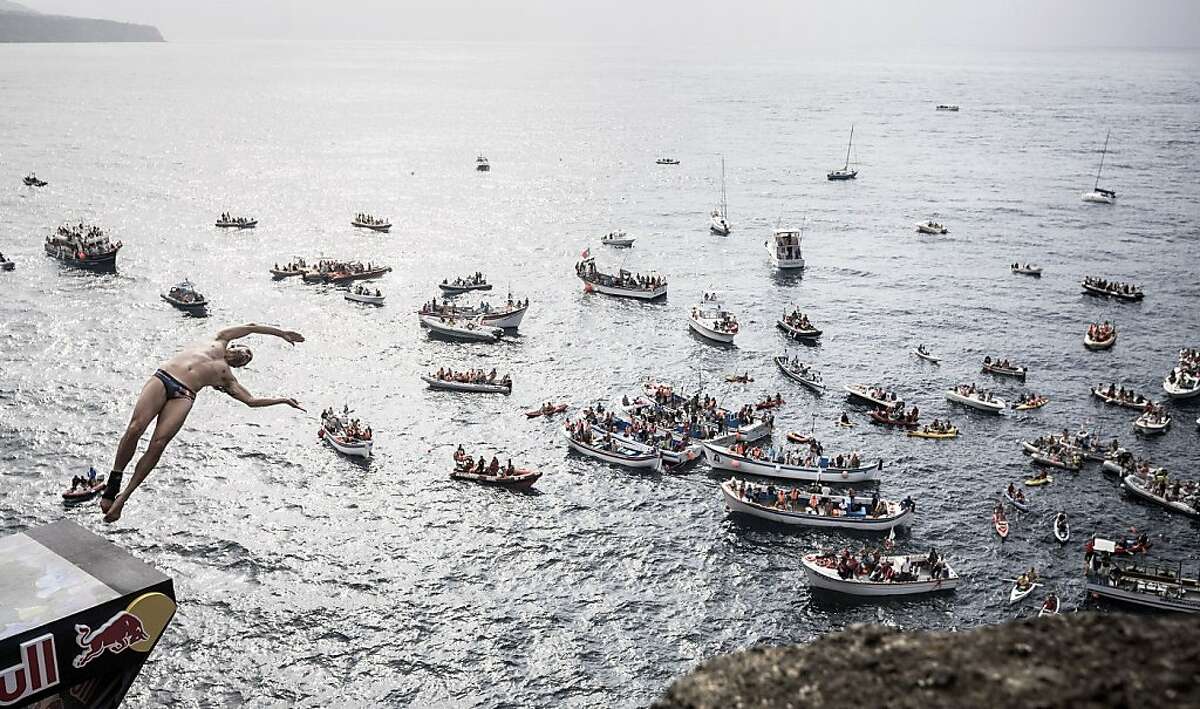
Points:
[1003,367]
[1183,381]
[711,320]
[370,221]
[492,472]
[1120,396]
[798,371]
[338,272]
[937,429]
[228,221]
[624,284]
[183,295]
[465,329]
[584,439]
[817,506]
[508,317]
[296,267]
[471,380]
[83,246]
[1027,401]
[896,417]
[1115,289]
[972,396]
[797,325]
[345,434]
[871,573]
[1158,586]
[475,281]
[809,463]
[1100,336]
[876,396]
[1153,421]
[362,294]
[31,180]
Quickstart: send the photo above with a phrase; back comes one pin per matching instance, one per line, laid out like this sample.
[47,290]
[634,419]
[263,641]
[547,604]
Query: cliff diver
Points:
[169,395]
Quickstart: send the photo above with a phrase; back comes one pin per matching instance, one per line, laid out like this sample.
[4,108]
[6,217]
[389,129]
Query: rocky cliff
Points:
[21,24]
[1074,661]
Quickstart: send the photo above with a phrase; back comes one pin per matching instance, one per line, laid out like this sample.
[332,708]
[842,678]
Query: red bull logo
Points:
[115,636]
[37,670]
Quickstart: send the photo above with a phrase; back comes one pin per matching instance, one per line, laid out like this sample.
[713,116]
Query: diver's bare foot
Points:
[113,512]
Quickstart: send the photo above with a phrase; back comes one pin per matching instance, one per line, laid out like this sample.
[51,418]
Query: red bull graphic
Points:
[37,670]
[121,631]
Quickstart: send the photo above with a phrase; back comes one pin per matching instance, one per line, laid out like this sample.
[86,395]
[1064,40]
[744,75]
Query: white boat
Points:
[804,374]
[718,220]
[1062,528]
[1151,424]
[1017,593]
[507,319]
[931,227]
[709,319]
[863,393]
[670,455]
[784,248]
[895,514]
[368,298]
[926,355]
[622,285]
[184,296]
[1150,586]
[1099,195]
[845,173]
[1091,344]
[1182,388]
[952,107]
[472,330]
[1050,606]
[613,452]
[994,406]
[473,387]
[722,457]
[617,238]
[482,164]
[382,226]
[822,573]
[1027,270]
[1139,488]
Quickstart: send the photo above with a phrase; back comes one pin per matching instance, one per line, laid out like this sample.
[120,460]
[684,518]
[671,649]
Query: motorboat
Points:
[667,161]
[931,227]
[822,573]
[618,239]
[952,107]
[1185,504]
[228,221]
[464,285]
[1003,369]
[1100,195]
[799,372]
[860,513]
[784,248]
[623,284]
[183,295]
[1100,337]
[369,221]
[482,164]
[507,317]
[1120,396]
[844,173]
[503,386]
[1155,421]
[33,181]
[797,326]
[365,295]
[469,330]
[1112,289]
[341,434]
[1026,270]
[975,399]
[1156,586]
[876,396]
[711,320]
[83,246]
[924,353]
[521,478]
[723,457]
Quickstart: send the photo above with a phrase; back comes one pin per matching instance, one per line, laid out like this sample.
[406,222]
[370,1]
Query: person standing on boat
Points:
[169,395]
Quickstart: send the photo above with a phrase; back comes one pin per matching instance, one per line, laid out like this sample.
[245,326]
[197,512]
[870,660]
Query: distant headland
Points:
[22,24]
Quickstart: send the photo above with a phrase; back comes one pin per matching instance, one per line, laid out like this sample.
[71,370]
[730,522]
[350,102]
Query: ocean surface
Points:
[309,580]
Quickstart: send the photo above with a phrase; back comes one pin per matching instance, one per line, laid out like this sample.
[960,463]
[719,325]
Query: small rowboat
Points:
[1000,524]
[1050,606]
[1151,425]
[1034,271]
[1074,464]
[472,387]
[367,298]
[556,409]
[1138,402]
[522,478]
[384,227]
[822,574]
[354,449]
[882,418]
[456,288]
[1139,488]
[806,376]
[1031,404]
[237,225]
[798,437]
[1023,506]
[768,404]
[863,393]
[993,406]
[1091,344]
[614,453]
[935,435]
[1035,482]
[1017,593]
[85,493]
[927,356]
[798,333]
[1062,528]
[1015,372]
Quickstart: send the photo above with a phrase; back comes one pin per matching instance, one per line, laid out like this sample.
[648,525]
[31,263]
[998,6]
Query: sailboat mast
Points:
[724,201]
[1102,154]
[847,166]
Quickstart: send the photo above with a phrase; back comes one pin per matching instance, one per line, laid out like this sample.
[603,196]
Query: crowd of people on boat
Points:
[465,463]
[485,309]
[873,566]
[700,417]
[472,281]
[185,293]
[1122,395]
[719,319]
[797,320]
[897,415]
[939,426]
[1154,416]
[344,427]
[637,429]
[784,455]
[81,241]
[972,392]
[1113,287]
[472,376]
[1015,494]
[990,362]
[1030,400]
[1101,332]
[1160,484]
[292,267]
[370,220]
[1186,375]
[801,369]
[819,500]
[587,270]
[333,270]
[228,219]
[32,179]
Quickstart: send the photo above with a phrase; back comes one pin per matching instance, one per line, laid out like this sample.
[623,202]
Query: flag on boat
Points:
[586,253]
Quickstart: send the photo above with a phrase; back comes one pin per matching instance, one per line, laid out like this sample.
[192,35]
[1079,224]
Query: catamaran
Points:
[719,219]
[845,173]
[1099,195]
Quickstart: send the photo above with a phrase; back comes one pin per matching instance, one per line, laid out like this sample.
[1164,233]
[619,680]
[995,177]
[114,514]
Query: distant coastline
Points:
[19,24]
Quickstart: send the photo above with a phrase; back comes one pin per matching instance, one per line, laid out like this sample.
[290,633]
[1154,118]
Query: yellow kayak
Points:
[1034,482]
[937,435]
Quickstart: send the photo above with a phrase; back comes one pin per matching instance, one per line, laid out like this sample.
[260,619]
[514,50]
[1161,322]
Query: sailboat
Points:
[718,222]
[1099,195]
[845,173]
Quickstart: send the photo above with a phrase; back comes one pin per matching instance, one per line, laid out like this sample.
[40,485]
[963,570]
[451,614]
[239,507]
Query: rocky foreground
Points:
[1079,660]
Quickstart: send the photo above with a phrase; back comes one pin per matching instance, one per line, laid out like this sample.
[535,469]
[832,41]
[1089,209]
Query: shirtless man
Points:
[169,396]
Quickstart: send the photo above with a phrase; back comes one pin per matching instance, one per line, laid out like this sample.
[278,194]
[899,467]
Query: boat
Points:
[845,173]
[546,411]
[1186,385]
[617,238]
[711,320]
[1128,547]
[623,285]
[1112,289]
[722,457]
[1153,422]
[521,478]
[464,285]
[744,378]
[281,273]
[1027,270]
[797,326]
[799,372]
[226,221]
[797,437]
[473,330]
[1131,400]
[1099,195]
[482,164]
[366,221]
[672,449]
[926,355]
[876,397]
[1000,524]
[183,295]
[949,433]
[364,295]
[1073,464]
[821,570]
[947,107]
[784,249]
[1018,594]
[931,227]
[508,317]
[613,453]
[1148,585]
[1039,481]
[1020,504]
[1033,402]
[881,416]
[990,366]
[1049,606]
[667,161]
[1100,337]
[966,397]
[33,181]
[84,492]
[504,386]
[755,501]
[6,265]
[333,432]
[1141,488]
[718,221]
[1062,528]
[83,246]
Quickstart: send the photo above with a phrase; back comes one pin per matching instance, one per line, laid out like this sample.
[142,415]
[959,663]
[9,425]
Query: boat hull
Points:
[737,505]
[828,580]
[1146,600]
[105,263]
[1137,488]
[521,480]
[1097,198]
[722,458]
[635,293]
[444,385]
[454,332]
[991,407]
[357,449]
[709,333]
[645,461]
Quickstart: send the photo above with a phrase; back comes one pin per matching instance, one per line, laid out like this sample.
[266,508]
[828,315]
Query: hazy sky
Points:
[786,24]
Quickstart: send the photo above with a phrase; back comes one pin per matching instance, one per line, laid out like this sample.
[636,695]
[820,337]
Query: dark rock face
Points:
[34,27]
[1072,661]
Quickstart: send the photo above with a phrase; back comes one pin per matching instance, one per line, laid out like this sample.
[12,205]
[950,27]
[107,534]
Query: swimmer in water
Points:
[169,395]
